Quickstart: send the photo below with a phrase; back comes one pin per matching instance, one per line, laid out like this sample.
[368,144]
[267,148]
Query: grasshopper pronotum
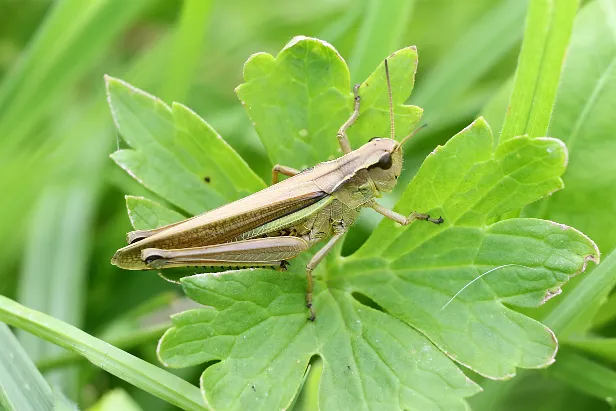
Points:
[278,223]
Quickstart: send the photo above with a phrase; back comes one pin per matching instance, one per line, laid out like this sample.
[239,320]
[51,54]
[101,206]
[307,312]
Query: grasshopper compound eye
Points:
[385,162]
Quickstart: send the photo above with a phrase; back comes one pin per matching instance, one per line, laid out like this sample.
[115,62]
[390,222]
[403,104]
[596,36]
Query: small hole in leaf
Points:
[365,300]
[312,373]
[210,363]
[207,179]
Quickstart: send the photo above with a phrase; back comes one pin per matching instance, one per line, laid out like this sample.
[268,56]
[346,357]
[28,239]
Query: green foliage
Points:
[64,214]
[583,119]
[548,27]
[412,272]
[298,100]
[176,154]
[117,399]
[117,362]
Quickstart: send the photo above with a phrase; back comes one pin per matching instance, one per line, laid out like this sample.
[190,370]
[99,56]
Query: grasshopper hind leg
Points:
[258,252]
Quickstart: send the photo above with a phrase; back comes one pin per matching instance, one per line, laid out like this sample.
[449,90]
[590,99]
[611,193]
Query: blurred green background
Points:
[62,198]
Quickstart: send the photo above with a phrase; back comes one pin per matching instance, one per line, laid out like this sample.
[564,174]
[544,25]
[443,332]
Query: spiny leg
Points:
[316,259]
[402,220]
[342,137]
[258,252]
[280,169]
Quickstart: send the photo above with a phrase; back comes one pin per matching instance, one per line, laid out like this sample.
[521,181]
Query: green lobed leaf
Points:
[371,360]
[146,214]
[395,351]
[299,99]
[175,153]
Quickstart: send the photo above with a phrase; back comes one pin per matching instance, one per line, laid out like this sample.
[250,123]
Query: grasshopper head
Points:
[385,163]
[385,160]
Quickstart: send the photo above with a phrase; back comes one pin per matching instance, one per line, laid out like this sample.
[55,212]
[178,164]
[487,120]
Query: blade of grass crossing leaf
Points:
[546,36]
[187,48]
[111,359]
[380,34]
[23,388]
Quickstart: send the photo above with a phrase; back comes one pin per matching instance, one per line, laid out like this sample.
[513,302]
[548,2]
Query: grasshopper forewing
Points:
[278,223]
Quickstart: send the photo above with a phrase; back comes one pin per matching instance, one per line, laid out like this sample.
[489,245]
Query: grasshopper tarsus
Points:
[437,220]
[426,217]
[313,315]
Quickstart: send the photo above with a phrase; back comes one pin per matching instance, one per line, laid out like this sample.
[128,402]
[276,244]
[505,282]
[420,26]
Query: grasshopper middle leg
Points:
[316,259]
[402,220]
[342,137]
[280,169]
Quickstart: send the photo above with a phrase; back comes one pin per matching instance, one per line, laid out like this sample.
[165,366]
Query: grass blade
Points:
[113,360]
[596,379]
[374,43]
[187,49]
[22,386]
[596,346]
[548,28]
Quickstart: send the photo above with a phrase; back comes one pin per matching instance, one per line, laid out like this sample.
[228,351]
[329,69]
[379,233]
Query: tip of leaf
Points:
[480,122]
[595,256]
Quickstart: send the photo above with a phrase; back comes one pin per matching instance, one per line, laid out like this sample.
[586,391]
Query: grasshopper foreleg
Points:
[400,219]
[316,259]
[342,137]
[280,169]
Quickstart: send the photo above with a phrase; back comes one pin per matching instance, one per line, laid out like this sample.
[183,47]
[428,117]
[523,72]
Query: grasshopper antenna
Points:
[417,130]
[391,103]
[477,278]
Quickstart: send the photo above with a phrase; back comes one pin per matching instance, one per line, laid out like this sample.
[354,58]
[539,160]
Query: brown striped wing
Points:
[226,222]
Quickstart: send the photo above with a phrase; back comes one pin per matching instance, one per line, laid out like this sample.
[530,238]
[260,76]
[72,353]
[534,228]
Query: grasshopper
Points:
[285,219]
